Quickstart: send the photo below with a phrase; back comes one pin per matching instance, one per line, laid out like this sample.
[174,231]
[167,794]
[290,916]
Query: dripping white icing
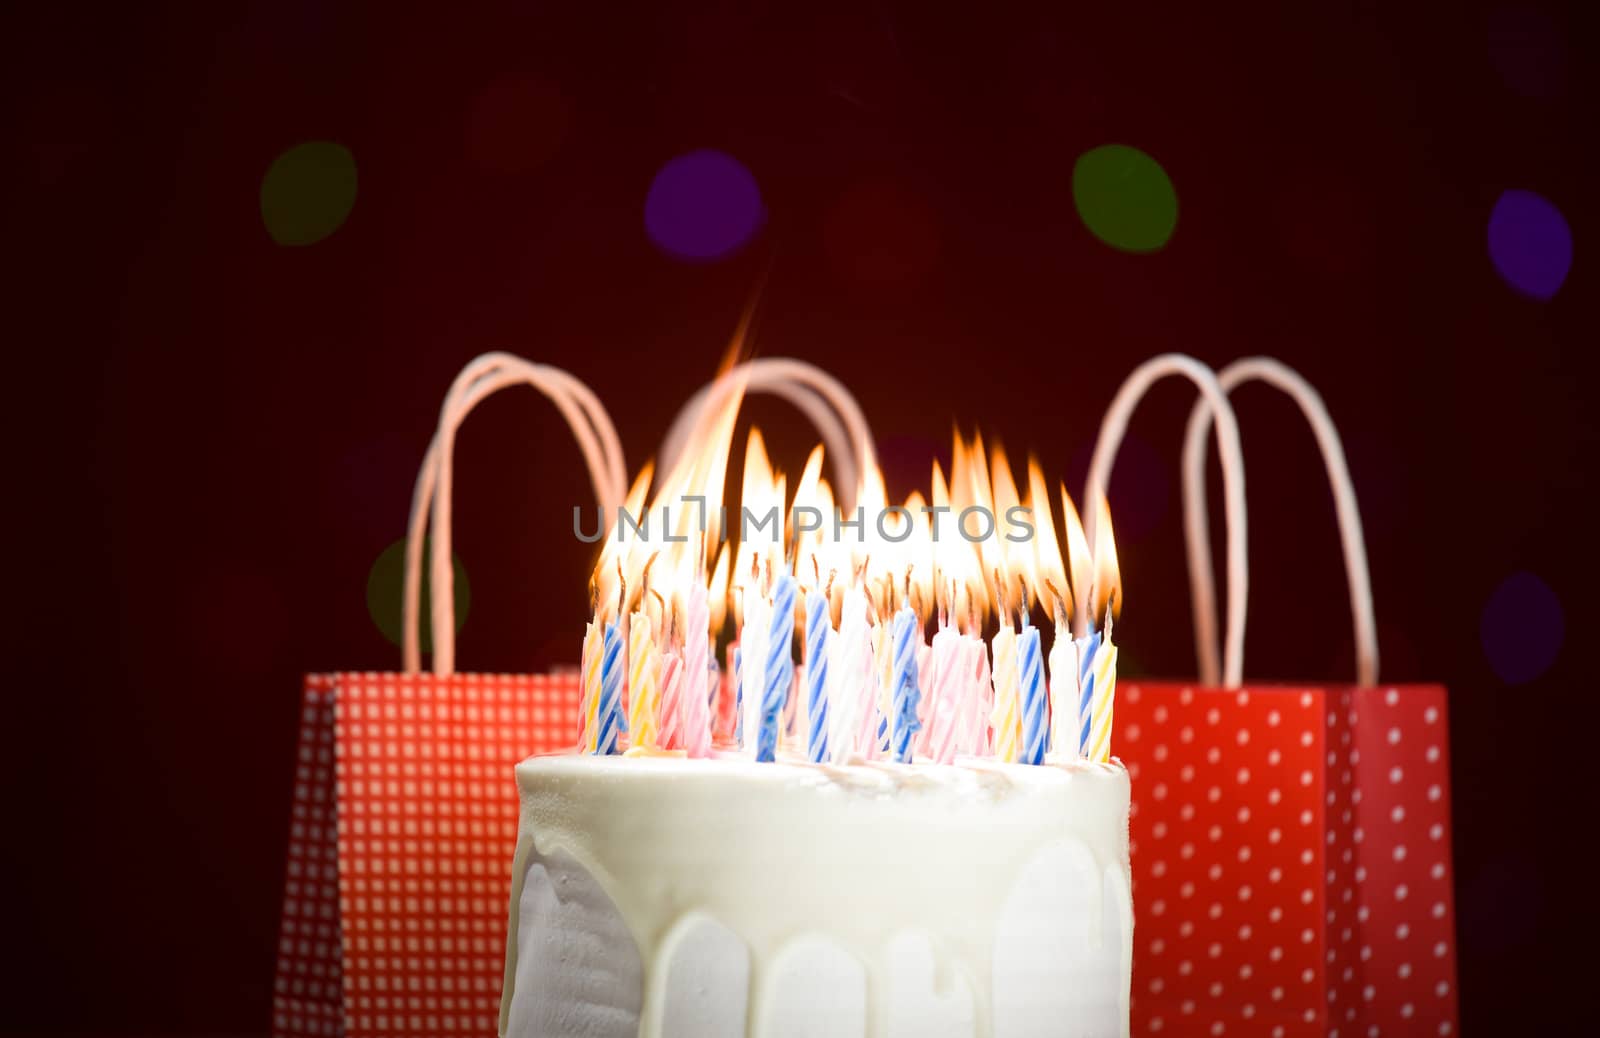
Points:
[907,871]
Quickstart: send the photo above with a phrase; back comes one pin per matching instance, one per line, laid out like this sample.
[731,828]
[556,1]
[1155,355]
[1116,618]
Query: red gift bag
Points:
[404,817]
[1290,844]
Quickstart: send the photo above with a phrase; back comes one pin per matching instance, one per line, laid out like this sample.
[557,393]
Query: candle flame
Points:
[989,564]
[1049,572]
[1079,561]
[1014,551]
[1107,574]
[717,595]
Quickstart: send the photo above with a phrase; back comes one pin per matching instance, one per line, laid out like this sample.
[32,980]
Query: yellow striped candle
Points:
[593,650]
[1006,718]
[644,690]
[1105,691]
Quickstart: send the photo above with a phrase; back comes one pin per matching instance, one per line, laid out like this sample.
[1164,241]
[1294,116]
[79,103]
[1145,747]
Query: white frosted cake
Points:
[663,896]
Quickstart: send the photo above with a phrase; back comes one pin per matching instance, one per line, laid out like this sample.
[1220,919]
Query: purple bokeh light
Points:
[1522,628]
[703,206]
[1530,243]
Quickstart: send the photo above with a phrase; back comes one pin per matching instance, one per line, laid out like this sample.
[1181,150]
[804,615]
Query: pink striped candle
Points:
[945,687]
[669,729]
[696,656]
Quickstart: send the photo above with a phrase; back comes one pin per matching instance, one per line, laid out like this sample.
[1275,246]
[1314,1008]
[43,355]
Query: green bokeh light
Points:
[307,192]
[1125,198]
[385,581]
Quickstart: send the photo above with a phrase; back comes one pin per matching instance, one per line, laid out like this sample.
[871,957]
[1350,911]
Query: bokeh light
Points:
[1528,52]
[307,192]
[516,125]
[1522,628]
[1530,243]
[703,206]
[1125,198]
[881,233]
[385,582]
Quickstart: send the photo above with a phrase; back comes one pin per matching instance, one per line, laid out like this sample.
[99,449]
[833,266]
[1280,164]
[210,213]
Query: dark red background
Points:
[218,435]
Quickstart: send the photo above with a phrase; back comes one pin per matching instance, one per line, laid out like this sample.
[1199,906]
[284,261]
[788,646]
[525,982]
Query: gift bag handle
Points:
[483,377]
[1198,535]
[824,400]
[1112,428]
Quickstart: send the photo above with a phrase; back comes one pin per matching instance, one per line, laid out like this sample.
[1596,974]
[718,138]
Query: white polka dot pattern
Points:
[401,837]
[1299,883]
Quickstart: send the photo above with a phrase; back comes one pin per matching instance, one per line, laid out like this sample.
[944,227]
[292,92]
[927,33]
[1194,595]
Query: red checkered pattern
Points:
[1291,860]
[401,839]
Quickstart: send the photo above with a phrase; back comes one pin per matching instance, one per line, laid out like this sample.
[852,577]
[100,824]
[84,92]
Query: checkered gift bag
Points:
[404,817]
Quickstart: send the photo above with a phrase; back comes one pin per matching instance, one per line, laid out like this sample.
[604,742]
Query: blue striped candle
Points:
[609,716]
[819,633]
[907,639]
[1035,720]
[1086,650]
[778,674]
[738,695]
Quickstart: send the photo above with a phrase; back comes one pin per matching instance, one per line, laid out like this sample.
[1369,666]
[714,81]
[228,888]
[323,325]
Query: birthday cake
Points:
[874,835]
[709,898]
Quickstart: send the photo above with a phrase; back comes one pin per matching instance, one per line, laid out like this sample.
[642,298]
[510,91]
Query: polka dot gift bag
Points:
[404,817]
[1290,843]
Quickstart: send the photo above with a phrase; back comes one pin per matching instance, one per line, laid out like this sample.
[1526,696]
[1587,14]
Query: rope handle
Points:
[1112,428]
[483,377]
[1198,535]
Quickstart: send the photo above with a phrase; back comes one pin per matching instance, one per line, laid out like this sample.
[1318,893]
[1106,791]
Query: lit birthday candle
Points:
[819,636]
[1063,676]
[644,690]
[736,701]
[696,710]
[1032,695]
[725,693]
[946,685]
[752,664]
[589,676]
[669,718]
[977,691]
[608,711]
[1107,601]
[847,672]
[778,676]
[1005,717]
[1075,699]
[907,636]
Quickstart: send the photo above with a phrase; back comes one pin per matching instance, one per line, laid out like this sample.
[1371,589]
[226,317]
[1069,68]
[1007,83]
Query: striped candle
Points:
[903,715]
[1005,718]
[778,674]
[1035,716]
[696,738]
[1105,690]
[847,686]
[752,665]
[883,647]
[593,647]
[945,686]
[1086,646]
[979,696]
[644,689]
[670,717]
[737,699]
[608,712]
[819,635]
